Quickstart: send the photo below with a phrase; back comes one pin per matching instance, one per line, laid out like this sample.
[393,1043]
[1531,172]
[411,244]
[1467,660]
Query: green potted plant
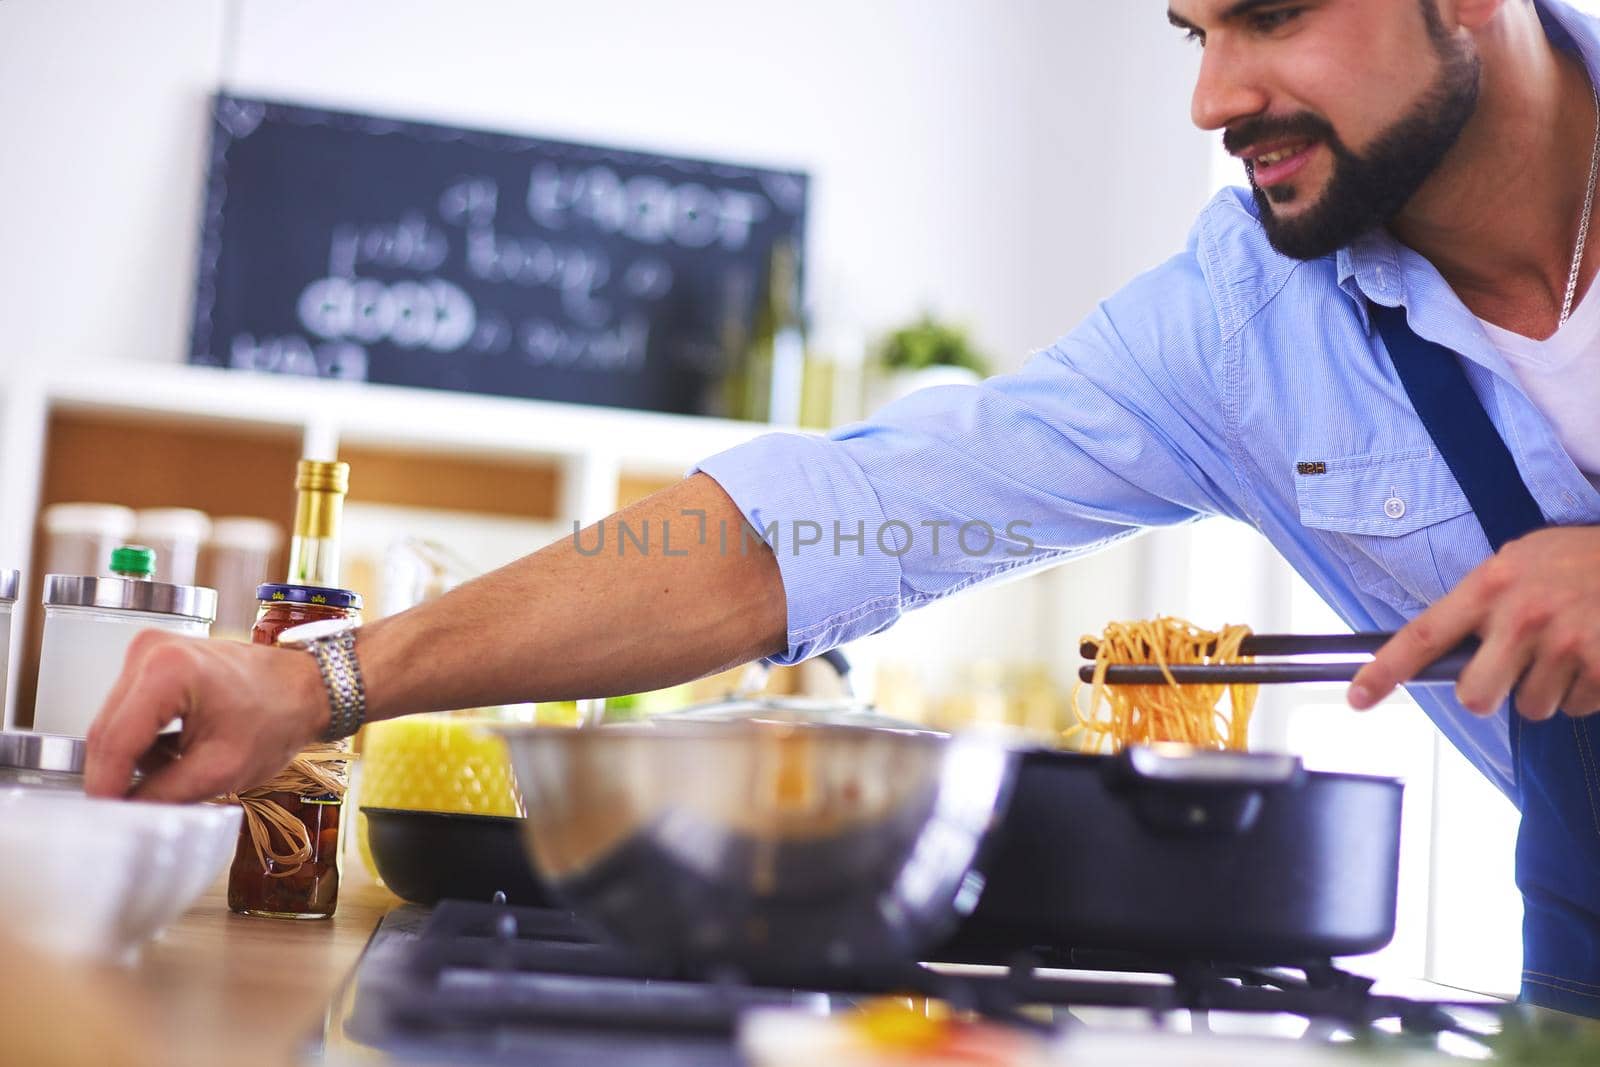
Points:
[926,353]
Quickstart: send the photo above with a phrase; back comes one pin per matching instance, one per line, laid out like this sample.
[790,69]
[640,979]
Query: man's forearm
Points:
[572,621]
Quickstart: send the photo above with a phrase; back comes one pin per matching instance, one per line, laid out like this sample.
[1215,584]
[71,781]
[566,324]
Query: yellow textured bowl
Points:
[445,762]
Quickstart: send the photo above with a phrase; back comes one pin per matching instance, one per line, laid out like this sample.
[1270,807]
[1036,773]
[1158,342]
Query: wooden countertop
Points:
[215,989]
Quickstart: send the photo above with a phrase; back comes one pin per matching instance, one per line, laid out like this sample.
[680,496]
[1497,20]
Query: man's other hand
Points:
[1535,605]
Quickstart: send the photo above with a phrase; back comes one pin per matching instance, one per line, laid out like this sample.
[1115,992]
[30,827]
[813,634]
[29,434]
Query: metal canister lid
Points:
[26,750]
[10,583]
[130,594]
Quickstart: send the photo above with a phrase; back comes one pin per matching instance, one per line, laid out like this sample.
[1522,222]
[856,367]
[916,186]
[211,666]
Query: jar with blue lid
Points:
[281,606]
[287,867]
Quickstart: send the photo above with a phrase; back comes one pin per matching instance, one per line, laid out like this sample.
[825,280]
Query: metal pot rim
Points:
[1103,759]
[689,730]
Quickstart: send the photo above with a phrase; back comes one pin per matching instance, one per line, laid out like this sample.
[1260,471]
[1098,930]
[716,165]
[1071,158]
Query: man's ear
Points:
[1470,15]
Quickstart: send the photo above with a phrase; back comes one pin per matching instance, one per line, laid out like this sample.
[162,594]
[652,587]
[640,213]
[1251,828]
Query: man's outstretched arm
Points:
[688,594]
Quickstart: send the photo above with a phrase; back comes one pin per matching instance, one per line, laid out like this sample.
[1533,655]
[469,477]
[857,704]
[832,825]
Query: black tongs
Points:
[1443,670]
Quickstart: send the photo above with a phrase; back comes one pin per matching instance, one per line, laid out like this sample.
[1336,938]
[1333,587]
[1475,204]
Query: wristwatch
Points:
[332,642]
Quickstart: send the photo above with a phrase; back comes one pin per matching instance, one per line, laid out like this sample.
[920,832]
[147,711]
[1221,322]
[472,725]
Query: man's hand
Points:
[1536,607]
[246,710]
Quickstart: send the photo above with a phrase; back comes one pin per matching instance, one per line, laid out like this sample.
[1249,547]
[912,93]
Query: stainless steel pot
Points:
[774,845]
[750,701]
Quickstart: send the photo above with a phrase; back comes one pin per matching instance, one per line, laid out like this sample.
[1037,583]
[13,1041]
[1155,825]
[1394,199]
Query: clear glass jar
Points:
[308,890]
[305,891]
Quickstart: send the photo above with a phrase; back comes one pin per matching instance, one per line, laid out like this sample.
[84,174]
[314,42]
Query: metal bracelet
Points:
[341,677]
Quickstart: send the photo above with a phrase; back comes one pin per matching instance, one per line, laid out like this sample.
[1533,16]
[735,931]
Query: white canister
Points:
[88,625]
[237,558]
[80,537]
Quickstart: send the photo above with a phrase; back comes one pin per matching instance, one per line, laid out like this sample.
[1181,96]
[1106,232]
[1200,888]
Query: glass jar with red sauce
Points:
[286,891]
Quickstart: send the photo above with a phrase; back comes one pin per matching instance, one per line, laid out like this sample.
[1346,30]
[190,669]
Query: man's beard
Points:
[1365,191]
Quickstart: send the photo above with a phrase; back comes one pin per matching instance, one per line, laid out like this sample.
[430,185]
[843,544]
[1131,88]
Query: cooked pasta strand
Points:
[1138,714]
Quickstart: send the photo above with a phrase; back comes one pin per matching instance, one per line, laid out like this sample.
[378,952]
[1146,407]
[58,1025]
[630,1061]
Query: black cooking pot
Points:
[426,856]
[1166,850]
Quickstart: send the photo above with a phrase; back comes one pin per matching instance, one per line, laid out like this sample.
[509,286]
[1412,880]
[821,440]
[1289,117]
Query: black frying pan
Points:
[1247,858]
[425,856]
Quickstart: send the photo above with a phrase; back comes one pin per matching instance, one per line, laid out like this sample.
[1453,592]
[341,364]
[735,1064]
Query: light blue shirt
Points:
[1231,381]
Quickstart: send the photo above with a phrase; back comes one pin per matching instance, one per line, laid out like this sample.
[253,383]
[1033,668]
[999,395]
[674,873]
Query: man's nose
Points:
[1225,91]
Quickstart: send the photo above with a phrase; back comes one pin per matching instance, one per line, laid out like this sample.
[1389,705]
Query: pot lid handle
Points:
[1186,765]
[754,679]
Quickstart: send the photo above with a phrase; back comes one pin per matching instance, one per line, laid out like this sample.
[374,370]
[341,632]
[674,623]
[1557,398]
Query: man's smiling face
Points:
[1340,109]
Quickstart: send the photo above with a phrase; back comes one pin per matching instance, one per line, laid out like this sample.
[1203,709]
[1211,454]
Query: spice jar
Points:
[286,864]
[89,624]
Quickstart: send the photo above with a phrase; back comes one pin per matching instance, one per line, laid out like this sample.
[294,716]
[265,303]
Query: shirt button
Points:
[1394,507]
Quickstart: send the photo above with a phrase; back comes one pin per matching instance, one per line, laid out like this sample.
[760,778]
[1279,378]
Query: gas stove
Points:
[485,984]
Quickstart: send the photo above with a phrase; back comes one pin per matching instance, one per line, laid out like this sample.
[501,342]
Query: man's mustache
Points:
[1305,125]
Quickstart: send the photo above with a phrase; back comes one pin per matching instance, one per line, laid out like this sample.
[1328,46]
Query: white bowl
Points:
[97,878]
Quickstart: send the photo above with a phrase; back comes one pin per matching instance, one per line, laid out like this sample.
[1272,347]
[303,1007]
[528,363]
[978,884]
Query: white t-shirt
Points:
[1561,374]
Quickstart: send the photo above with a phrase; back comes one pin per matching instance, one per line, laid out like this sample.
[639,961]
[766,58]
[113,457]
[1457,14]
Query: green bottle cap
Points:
[133,561]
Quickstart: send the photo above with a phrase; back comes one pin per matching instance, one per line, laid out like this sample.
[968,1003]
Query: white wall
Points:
[102,139]
[1005,162]
[1008,163]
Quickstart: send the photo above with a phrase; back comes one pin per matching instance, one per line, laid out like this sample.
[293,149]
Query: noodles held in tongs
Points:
[1137,714]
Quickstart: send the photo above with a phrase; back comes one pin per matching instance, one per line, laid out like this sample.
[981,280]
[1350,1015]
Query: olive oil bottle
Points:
[320,488]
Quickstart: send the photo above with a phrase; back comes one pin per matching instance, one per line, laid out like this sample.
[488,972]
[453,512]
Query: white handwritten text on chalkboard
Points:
[341,245]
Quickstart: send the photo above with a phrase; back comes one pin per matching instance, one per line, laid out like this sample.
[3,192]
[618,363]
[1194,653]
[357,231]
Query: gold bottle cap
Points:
[322,476]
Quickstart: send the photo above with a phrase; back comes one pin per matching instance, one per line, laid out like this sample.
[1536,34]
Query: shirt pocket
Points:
[1393,517]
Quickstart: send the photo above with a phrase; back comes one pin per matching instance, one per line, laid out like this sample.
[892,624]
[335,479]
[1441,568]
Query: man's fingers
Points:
[1583,698]
[1421,641]
[204,771]
[1540,693]
[1495,670]
[127,727]
[167,747]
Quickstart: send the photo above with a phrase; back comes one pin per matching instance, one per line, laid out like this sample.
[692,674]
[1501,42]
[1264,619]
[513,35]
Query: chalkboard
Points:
[350,246]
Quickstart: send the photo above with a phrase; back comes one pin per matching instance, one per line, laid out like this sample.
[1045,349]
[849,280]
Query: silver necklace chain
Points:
[1588,209]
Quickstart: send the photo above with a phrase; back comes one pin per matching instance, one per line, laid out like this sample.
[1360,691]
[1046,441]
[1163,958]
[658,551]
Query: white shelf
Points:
[394,416]
[594,446]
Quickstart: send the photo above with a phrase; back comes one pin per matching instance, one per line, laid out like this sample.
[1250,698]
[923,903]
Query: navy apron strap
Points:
[1454,417]
[1557,762]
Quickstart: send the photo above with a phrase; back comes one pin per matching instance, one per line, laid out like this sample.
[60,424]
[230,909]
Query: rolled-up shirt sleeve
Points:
[1093,439]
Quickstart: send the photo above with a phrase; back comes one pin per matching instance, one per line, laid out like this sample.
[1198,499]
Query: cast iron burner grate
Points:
[493,975]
